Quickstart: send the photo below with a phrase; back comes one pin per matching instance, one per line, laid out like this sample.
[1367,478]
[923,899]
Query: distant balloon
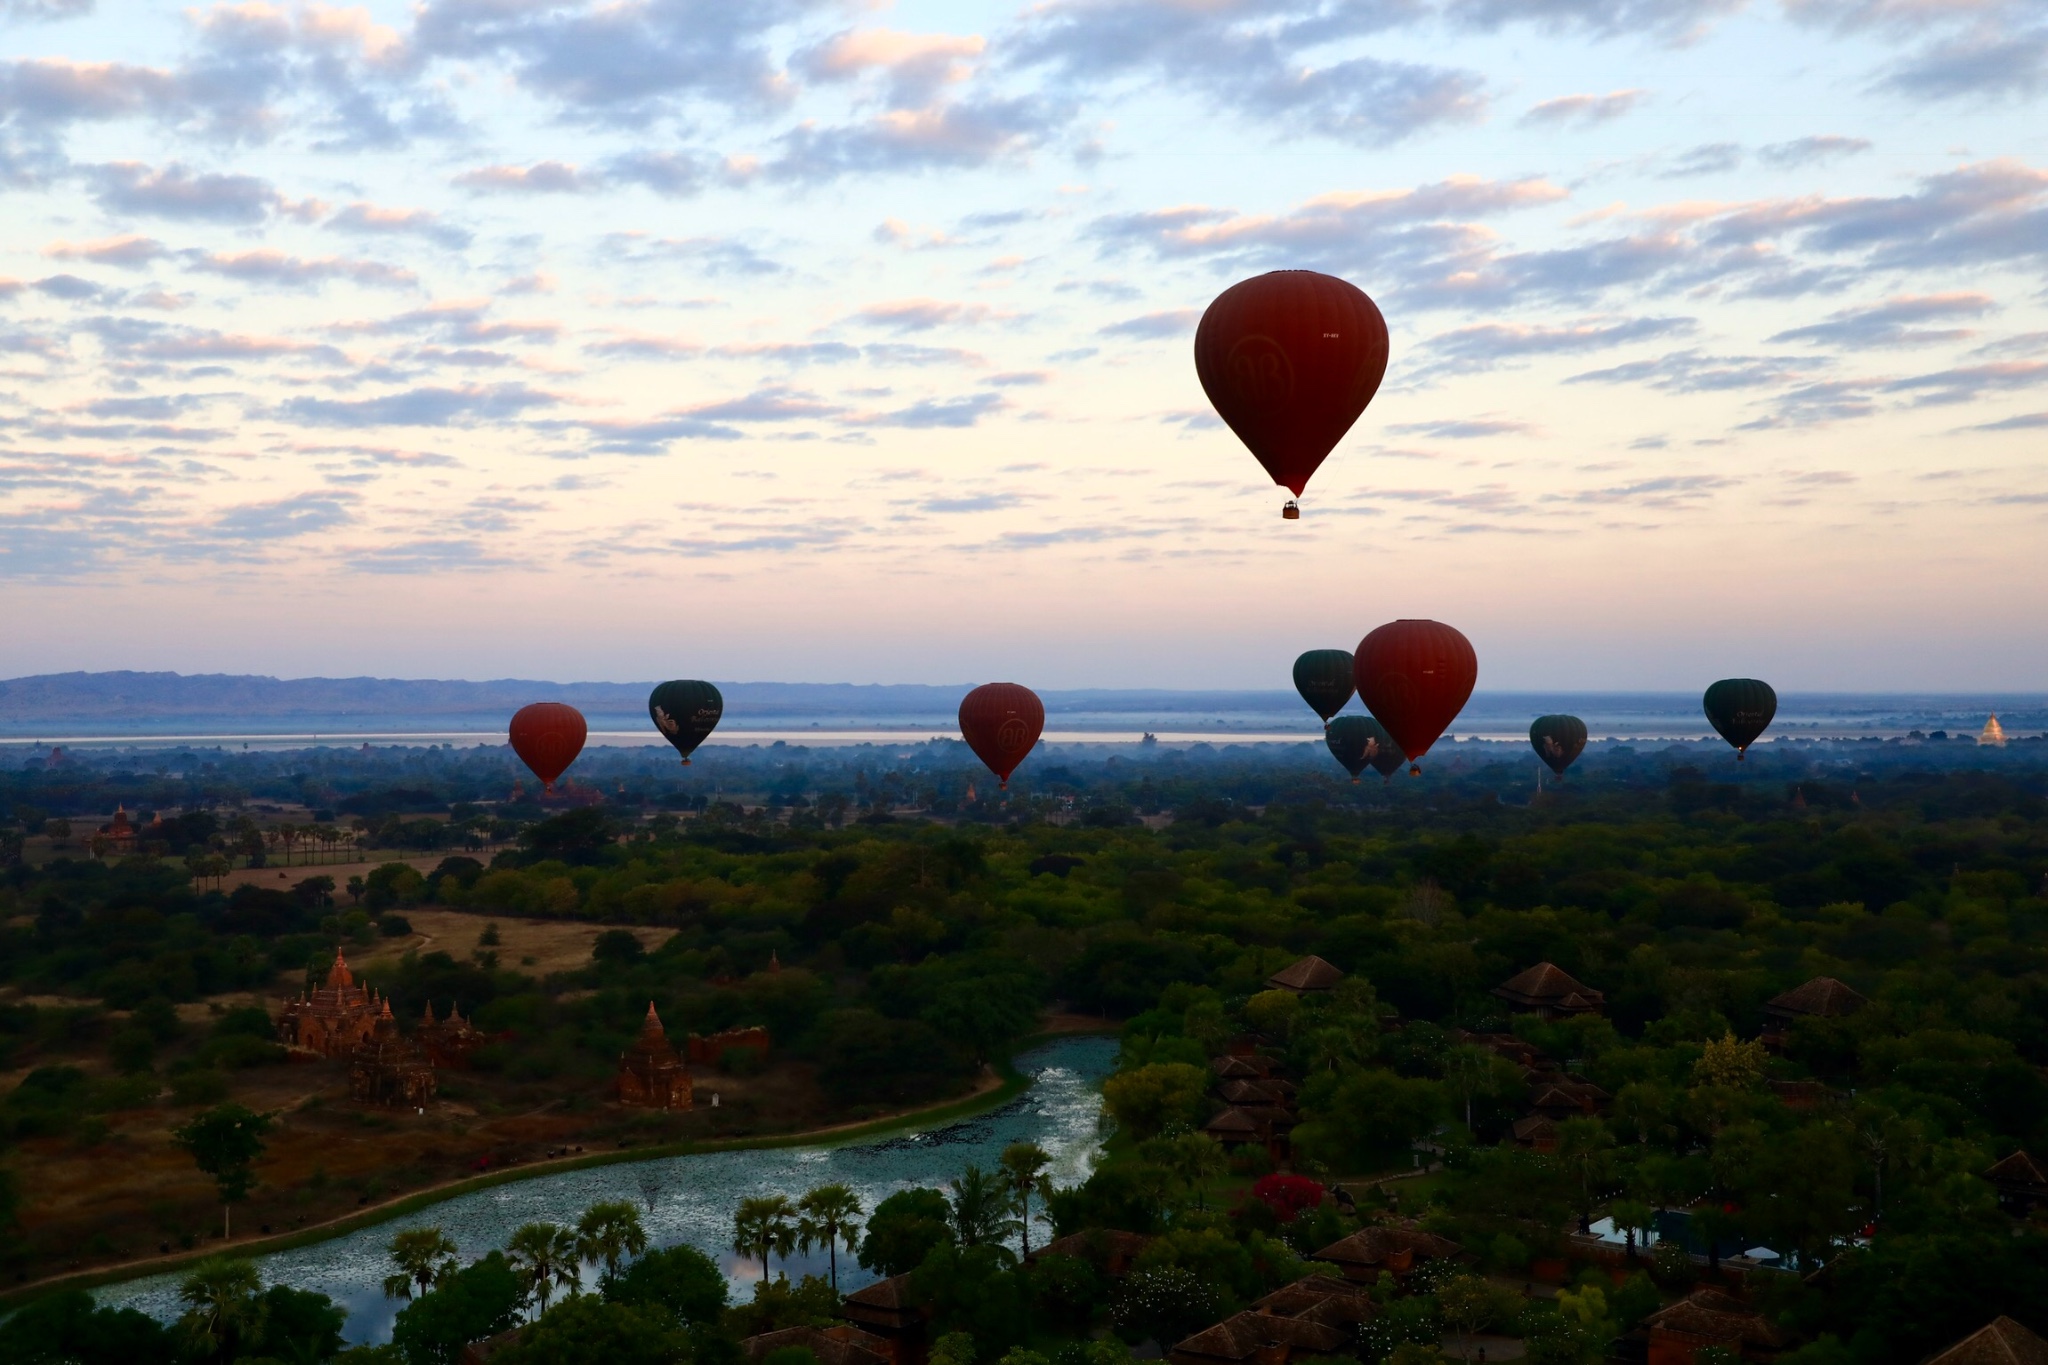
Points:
[547,736]
[686,712]
[1323,677]
[1289,361]
[1001,722]
[1415,676]
[1558,740]
[1741,709]
[1359,742]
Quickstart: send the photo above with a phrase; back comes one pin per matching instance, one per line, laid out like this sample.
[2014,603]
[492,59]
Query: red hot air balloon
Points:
[1001,721]
[547,736]
[1289,360]
[1415,676]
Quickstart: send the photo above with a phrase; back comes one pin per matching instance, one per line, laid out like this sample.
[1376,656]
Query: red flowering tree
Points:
[1287,1195]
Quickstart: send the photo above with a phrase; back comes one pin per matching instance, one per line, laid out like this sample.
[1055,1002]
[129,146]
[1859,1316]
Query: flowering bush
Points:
[1287,1195]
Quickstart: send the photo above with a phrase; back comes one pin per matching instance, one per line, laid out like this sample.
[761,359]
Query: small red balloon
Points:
[547,736]
[1001,722]
[1415,676]
[1289,360]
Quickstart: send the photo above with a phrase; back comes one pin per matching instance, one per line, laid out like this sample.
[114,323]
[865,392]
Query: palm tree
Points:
[610,1232]
[981,1209]
[220,1303]
[425,1257]
[831,1215]
[1024,1166]
[762,1225]
[1195,1159]
[545,1255]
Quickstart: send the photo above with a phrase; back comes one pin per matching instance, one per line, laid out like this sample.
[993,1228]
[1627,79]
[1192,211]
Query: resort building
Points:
[1549,992]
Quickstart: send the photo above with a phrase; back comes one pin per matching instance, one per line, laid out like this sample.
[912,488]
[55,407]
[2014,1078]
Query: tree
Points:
[981,1209]
[594,1331]
[480,1300]
[1023,1169]
[424,1256]
[610,1232]
[1151,1099]
[830,1214]
[297,1326]
[68,1328]
[904,1229]
[680,1280]
[763,1225]
[544,1255]
[1731,1063]
[1468,1303]
[1194,1160]
[224,1143]
[1632,1216]
[220,1304]
[1584,1148]
[1367,1118]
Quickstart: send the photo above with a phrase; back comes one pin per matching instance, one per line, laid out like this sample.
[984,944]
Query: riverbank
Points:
[999,1085]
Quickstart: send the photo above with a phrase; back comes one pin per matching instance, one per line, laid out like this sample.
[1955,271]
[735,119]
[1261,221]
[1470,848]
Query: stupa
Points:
[1993,733]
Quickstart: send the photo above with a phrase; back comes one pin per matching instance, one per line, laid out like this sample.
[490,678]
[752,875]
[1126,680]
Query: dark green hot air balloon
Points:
[1741,709]
[1324,679]
[685,712]
[1359,742]
[1558,740]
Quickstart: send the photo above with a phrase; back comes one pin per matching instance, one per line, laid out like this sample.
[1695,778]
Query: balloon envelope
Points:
[1289,360]
[1000,722]
[1415,676]
[1558,740]
[1740,708]
[1358,742]
[1323,677]
[547,736]
[686,712]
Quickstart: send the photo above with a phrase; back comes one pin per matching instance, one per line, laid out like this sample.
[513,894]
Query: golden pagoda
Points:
[1993,733]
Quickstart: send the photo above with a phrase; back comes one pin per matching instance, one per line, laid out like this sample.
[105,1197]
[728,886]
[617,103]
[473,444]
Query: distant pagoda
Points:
[1993,733]
[651,1075]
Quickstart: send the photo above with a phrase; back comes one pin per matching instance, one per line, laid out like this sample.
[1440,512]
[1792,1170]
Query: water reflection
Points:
[692,1198]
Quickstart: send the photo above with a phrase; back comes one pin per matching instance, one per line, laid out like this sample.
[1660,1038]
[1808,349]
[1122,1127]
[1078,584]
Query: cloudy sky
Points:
[850,341]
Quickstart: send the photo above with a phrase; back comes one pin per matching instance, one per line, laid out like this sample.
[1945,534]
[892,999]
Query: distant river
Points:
[694,1196]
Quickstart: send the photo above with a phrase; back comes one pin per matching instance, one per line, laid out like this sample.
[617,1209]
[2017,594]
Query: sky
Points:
[851,342]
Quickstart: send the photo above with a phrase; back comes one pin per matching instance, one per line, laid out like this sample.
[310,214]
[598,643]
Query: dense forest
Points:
[896,924]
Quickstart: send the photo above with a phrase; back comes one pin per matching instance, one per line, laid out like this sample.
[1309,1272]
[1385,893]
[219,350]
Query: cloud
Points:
[776,403]
[793,352]
[299,515]
[1709,158]
[920,315]
[129,252]
[174,192]
[44,11]
[928,413]
[1967,383]
[1153,326]
[1892,323]
[422,407]
[972,502]
[1482,347]
[1674,21]
[1584,111]
[1463,428]
[674,174]
[1811,151]
[1694,371]
[371,220]
[915,65]
[426,557]
[53,91]
[713,255]
[1260,60]
[2027,421]
[543,177]
[1985,64]
[949,134]
[1013,379]
[275,268]
[68,287]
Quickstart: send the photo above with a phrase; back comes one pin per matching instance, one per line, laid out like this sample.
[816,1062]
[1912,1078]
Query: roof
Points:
[1326,1299]
[1999,1342]
[1309,974]
[1256,1092]
[2018,1169]
[1370,1246]
[1535,1128]
[1247,1068]
[1823,996]
[1096,1244]
[1239,1337]
[1717,1317]
[885,1294]
[1233,1123]
[1551,984]
[832,1346]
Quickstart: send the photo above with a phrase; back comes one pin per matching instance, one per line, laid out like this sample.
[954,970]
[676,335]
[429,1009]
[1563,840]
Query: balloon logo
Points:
[1001,722]
[686,712]
[1740,709]
[1415,676]
[1289,361]
[547,736]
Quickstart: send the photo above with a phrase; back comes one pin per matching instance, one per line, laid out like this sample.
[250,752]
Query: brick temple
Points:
[335,1018]
[389,1068]
[651,1075]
